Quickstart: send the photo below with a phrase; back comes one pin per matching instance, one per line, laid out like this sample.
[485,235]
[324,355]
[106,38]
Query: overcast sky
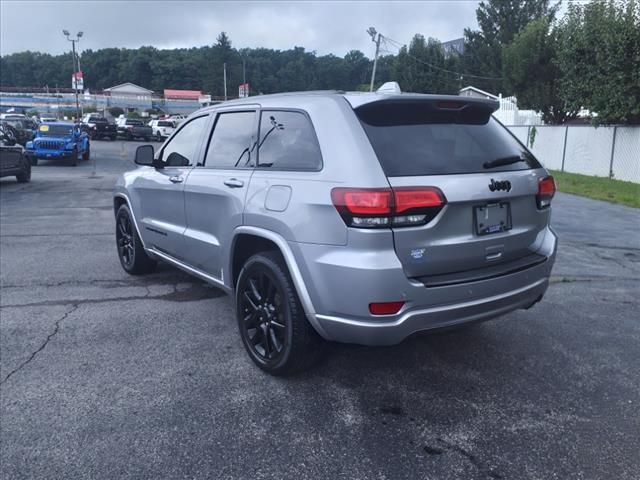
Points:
[326,27]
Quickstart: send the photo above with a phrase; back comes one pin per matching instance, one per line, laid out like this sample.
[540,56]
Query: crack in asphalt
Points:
[74,307]
[57,235]
[554,280]
[194,292]
[157,280]
[475,461]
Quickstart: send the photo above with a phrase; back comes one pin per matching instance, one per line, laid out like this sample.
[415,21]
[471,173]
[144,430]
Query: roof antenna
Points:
[389,88]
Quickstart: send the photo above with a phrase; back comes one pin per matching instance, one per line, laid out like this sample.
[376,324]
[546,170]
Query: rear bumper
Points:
[421,319]
[341,285]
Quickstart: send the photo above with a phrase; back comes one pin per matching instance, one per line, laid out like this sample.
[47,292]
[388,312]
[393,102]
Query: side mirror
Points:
[144,155]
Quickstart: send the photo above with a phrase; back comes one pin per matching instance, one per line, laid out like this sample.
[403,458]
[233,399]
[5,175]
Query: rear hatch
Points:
[489,217]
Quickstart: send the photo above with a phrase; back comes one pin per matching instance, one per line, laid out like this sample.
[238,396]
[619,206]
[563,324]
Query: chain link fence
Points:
[612,152]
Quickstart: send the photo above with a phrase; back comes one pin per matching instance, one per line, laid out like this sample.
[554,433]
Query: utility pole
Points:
[373,33]
[224,74]
[75,78]
[244,71]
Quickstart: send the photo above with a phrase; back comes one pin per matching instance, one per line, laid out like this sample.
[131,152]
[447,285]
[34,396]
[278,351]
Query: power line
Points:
[398,46]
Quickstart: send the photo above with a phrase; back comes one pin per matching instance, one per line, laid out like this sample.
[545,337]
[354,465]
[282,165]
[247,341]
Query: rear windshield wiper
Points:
[499,162]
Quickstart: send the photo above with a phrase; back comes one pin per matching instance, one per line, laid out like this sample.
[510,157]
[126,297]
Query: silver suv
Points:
[351,217]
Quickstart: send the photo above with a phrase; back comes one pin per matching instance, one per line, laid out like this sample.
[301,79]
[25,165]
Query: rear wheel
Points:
[273,326]
[25,175]
[131,253]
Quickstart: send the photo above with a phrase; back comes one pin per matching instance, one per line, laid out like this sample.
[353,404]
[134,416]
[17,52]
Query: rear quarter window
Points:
[412,139]
[288,142]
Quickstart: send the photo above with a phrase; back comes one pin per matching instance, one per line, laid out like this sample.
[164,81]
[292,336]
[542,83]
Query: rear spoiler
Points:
[419,109]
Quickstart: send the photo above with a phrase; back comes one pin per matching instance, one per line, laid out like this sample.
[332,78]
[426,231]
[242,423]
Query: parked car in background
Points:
[131,129]
[24,128]
[10,115]
[99,127]
[13,160]
[47,119]
[352,217]
[177,119]
[59,140]
[162,129]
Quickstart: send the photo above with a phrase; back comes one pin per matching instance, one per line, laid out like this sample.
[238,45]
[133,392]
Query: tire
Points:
[114,138]
[133,258]
[158,137]
[146,139]
[269,314]
[73,160]
[34,161]
[87,154]
[25,176]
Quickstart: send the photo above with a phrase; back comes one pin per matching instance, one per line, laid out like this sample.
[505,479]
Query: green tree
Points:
[499,21]
[423,68]
[531,71]
[599,57]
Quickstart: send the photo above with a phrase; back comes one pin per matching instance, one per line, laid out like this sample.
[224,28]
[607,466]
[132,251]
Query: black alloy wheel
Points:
[125,241]
[272,323]
[131,252]
[264,316]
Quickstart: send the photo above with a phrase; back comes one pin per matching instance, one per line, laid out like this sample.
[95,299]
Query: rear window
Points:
[97,120]
[134,122]
[165,124]
[417,138]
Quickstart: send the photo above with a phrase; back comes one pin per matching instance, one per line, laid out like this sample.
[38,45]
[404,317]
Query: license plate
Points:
[492,218]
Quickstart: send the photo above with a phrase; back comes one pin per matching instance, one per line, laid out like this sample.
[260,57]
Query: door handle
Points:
[175,179]
[234,183]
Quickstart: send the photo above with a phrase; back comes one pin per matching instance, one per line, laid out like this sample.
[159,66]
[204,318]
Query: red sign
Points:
[243,90]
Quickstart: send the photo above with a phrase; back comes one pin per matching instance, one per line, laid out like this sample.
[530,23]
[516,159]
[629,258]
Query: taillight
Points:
[387,207]
[546,191]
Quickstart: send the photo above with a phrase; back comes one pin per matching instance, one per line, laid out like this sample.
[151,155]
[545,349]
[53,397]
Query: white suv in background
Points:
[162,128]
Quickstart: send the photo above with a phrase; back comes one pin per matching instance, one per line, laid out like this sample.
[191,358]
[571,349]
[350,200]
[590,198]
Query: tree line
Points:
[588,59]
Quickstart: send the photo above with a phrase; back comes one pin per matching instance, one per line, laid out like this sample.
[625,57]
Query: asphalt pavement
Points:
[104,375]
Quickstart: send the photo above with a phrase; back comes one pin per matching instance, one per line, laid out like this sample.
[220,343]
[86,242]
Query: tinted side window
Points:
[230,145]
[288,142]
[184,146]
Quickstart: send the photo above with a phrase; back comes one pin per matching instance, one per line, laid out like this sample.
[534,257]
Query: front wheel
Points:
[131,253]
[273,326]
[73,160]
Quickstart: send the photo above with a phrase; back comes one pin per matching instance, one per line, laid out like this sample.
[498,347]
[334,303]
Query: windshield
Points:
[56,130]
[410,139]
[97,120]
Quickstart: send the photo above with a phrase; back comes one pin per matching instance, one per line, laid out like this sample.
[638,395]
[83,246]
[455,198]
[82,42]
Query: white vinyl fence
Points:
[599,151]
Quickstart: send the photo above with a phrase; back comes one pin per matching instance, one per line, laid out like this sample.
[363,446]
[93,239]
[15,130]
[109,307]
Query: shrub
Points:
[116,111]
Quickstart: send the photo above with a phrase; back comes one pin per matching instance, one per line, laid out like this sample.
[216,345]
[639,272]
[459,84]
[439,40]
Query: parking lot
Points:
[104,375]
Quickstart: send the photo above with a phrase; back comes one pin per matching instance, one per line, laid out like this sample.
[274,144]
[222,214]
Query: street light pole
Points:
[75,78]
[373,33]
